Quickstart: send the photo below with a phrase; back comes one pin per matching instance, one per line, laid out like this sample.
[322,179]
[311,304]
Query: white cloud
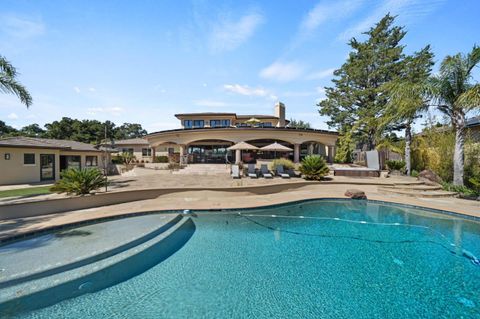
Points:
[19,27]
[407,10]
[248,91]
[92,89]
[322,74]
[210,103]
[326,11]
[76,89]
[282,72]
[115,110]
[228,35]
[12,116]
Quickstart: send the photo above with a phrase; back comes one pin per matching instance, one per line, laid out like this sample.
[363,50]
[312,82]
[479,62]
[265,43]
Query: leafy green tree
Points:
[344,153]
[406,99]
[454,94]
[314,167]
[129,130]
[358,98]
[32,130]
[9,83]
[298,124]
[7,130]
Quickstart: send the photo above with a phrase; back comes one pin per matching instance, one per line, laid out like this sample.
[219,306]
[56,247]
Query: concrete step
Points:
[418,193]
[204,169]
[416,187]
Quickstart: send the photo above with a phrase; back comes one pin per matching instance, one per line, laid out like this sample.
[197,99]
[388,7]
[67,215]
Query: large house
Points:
[205,137]
[30,160]
[473,126]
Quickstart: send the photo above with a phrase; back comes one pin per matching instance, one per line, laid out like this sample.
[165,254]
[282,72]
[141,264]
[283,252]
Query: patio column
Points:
[296,153]
[182,153]
[154,153]
[238,156]
[331,153]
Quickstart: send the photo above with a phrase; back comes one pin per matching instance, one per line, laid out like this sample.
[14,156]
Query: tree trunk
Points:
[371,140]
[458,156]
[408,141]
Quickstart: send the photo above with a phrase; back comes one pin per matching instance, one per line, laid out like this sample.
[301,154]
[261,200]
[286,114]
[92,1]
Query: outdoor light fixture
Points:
[7,156]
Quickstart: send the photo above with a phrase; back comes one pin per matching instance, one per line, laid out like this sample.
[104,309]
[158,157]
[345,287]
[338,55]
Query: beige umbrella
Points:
[242,146]
[274,147]
[253,121]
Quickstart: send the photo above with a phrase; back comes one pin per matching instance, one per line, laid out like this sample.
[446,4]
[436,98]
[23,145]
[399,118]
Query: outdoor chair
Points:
[281,172]
[265,172]
[235,171]
[251,171]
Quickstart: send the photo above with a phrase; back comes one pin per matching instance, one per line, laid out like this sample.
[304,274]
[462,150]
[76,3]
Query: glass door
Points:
[47,167]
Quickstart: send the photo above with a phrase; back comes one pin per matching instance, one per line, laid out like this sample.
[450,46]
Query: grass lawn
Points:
[26,191]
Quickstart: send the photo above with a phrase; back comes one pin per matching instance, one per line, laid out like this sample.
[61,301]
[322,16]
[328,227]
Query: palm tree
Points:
[9,85]
[454,94]
[405,97]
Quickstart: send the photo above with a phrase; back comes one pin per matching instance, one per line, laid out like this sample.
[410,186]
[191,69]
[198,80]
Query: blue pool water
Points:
[317,259]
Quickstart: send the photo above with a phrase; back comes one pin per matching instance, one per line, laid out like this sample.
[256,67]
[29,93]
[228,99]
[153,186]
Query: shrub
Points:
[286,163]
[314,167]
[414,173]
[124,158]
[464,190]
[79,182]
[161,159]
[395,165]
[344,152]
[175,166]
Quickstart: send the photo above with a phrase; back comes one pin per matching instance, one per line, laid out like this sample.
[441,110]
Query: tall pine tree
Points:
[358,98]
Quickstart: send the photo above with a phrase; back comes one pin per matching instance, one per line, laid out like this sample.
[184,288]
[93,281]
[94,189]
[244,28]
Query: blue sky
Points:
[143,61]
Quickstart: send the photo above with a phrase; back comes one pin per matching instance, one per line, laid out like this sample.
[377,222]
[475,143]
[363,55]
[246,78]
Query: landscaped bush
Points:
[161,159]
[395,165]
[463,190]
[286,163]
[314,167]
[79,182]
[124,158]
[414,173]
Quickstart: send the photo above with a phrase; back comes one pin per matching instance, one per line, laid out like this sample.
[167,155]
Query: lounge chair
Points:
[251,171]
[235,171]
[281,172]
[265,172]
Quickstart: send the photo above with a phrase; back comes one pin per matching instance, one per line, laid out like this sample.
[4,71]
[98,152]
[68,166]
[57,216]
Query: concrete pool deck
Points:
[218,199]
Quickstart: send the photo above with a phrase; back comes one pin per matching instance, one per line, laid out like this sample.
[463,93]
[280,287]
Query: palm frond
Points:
[7,68]
[10,85]
[470,99]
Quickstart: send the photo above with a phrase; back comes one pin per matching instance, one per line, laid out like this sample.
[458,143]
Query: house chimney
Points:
[280,113]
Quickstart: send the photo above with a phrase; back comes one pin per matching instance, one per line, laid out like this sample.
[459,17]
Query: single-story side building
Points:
[205,137]
[141,149]
[32,160]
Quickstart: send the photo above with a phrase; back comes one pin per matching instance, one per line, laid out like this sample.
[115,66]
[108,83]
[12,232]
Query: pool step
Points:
[417,187]
[104,273]
[427,193]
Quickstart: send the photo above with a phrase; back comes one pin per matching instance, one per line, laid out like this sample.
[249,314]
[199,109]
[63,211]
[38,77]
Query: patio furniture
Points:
[251,171]
[235,171]
[281,172]
[265,172]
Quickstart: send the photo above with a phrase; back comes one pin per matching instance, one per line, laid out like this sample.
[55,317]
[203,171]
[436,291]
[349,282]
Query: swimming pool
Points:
[315,259]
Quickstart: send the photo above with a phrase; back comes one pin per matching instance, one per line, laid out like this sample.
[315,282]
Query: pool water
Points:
[317,259]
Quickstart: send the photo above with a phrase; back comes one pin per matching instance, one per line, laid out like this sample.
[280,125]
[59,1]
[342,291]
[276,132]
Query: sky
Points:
[144,61]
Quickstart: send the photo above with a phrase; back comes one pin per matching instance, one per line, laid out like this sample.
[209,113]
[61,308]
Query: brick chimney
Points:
[280,113]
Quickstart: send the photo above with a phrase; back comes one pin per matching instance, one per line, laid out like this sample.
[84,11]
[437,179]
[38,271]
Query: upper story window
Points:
[225,123]
[267,124]
[187,123]
[198,123]
[219,123]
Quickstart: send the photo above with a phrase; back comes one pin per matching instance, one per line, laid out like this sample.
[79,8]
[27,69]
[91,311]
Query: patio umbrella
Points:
[253,121]
[274,147]
[242,146]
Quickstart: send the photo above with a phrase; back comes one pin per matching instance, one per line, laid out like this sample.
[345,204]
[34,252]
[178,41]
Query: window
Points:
[266,124]
[91,161]
[127,150]
[146,152]
[171,150]
[198,123]
[29,159]
[225,123]
[73,161]
[187,123]
[215,123]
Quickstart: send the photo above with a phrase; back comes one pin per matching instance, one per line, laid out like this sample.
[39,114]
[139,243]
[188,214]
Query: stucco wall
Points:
[13,171]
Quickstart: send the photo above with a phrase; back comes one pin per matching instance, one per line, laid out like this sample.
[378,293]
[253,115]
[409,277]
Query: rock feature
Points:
[355,194]
[428,175]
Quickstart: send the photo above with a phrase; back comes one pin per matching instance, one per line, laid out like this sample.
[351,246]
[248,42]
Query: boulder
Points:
[429,175]
[355,194]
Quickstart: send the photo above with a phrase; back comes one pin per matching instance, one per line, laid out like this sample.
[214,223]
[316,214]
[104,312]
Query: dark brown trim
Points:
[290,129]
